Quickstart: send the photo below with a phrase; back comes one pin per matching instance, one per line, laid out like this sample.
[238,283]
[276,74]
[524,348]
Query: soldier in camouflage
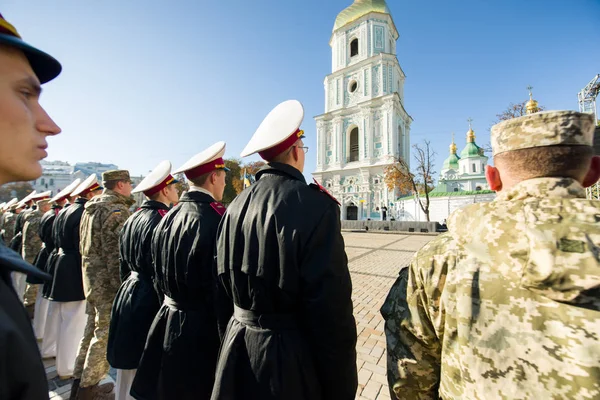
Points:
[10,218]
[101,225]
[32,244]
[506,304]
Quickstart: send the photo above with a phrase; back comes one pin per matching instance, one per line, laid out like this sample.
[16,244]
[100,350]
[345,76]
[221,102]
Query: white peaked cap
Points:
[156,180]
[279,128]
[66,191]
[88,183]
[204,162]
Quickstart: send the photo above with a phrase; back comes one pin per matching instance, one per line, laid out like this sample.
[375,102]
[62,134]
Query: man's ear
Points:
[593,173]
[492,175]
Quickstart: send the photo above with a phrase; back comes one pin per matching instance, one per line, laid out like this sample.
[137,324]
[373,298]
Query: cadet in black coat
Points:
[183,343]
[137,301]
[281,261]
[45,232]
[67,317]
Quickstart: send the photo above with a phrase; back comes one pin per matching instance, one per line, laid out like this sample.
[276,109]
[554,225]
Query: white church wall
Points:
[439,208]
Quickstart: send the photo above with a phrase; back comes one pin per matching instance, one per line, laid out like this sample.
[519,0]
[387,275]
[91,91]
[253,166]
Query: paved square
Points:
[374,260]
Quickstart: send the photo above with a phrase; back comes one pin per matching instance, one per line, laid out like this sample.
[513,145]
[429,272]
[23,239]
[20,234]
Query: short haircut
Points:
[285,156]
[549,161]
[111,185]
[201,180]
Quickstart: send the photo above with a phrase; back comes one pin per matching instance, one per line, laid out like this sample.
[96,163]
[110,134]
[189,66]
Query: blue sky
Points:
[150,80]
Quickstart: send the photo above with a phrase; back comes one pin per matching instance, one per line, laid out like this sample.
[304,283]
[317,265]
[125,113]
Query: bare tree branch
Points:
[398,175]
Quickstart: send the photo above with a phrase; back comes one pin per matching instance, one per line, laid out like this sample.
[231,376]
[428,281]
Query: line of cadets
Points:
[259,298]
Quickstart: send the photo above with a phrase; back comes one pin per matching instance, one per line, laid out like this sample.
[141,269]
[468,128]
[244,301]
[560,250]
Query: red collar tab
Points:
[166,182]
[322,189]
[276,150]
[218,207]
[163,212]
[195,172]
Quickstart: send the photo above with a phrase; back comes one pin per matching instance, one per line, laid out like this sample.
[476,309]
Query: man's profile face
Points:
[172,195]
[24,124]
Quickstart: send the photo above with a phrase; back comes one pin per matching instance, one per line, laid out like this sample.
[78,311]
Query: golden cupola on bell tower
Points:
[532,105]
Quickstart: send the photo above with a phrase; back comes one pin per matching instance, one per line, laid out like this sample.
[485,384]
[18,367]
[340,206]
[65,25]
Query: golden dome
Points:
[470,133]
[453,146]
[358,9]
[532,105]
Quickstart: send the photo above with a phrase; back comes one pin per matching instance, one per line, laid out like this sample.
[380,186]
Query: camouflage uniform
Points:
[32,244]
[9,226]
[506,304]
[101,225]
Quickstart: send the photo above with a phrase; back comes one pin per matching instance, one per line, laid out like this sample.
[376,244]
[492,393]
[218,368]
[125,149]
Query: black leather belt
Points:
[265,321]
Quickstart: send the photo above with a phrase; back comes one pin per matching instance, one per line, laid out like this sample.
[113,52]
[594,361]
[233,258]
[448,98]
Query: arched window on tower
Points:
[353,145]
[354,47]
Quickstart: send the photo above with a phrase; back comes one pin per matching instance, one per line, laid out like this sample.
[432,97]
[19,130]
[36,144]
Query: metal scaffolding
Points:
[587,97]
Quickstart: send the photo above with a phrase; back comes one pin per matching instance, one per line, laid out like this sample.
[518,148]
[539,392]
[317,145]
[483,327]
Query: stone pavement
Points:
[374,260]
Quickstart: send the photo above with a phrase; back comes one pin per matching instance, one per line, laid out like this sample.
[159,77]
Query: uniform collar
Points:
[281,169]
[154,205]
[197,196]
[128,201]
[564,188]
[201,190]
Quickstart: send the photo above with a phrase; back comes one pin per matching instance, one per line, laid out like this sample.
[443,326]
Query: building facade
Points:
[365,126]
[464,172]
[56,175]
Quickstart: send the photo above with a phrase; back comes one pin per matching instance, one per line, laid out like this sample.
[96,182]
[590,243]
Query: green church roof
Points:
[471,150]
[451,162]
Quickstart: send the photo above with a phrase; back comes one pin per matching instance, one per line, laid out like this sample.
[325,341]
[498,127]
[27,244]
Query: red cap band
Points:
[166,182]
[276,150]
[95,186]
[195,172]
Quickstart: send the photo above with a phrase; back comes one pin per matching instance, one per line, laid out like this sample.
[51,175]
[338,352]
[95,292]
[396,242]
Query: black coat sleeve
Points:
[326,309]
[223,300]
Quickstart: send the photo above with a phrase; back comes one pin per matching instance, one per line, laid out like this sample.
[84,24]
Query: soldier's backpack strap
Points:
[317,186]
[218,207]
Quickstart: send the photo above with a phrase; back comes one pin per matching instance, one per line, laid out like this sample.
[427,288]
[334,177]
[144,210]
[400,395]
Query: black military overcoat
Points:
[67,284]
[48,252]
[183,343]
[282,262]
[137,302]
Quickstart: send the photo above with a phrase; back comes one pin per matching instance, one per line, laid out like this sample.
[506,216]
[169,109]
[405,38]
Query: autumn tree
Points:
[233,183]
[398,175]
[253,167]
[182,186]
[21,190]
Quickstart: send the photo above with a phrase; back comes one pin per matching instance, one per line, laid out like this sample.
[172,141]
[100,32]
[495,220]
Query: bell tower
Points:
[365,126]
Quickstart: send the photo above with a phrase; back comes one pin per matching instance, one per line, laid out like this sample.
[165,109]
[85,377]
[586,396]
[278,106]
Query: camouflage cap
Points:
[547,128]
[115,175]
